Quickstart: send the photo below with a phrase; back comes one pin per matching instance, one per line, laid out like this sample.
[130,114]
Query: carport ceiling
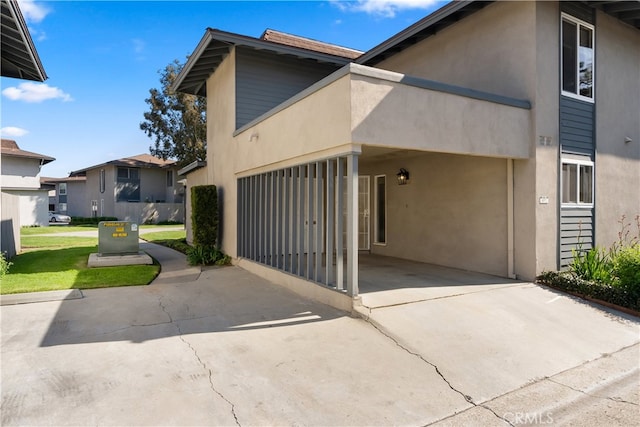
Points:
[19,56]
[626,11]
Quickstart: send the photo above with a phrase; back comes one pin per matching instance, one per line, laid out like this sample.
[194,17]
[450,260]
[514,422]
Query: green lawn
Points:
[55,229]
[55,262]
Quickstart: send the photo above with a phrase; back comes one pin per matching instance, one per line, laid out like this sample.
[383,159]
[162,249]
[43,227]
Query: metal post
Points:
[340,225]
[352,225]
[328,259]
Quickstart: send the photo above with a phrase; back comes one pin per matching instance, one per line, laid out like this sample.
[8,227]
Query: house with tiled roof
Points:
[490,136]
[24,200]
[142,189]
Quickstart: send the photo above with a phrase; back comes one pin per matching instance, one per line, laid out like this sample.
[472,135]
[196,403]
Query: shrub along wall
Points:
[204,215]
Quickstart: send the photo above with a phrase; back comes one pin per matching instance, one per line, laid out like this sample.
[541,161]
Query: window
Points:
[577,183]
[128,185]
[62,207]
[577,58]
[62,189]
[169,178]
[380,230]
[102,181]
[94,208]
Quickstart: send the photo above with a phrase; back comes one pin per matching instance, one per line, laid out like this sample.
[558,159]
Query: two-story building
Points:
[24,201]
[142,188]
[490,136]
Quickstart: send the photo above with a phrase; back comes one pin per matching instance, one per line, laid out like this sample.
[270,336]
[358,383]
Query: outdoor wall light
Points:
[403,176]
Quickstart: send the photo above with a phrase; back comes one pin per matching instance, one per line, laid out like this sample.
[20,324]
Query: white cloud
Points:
[13,132]
[33,12]
[384,8]
[138,45]
[35,92]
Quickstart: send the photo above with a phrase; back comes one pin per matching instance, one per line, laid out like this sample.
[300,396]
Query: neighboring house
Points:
[24,200]
[20,60]
[67,195]
[514,125]
[142,188]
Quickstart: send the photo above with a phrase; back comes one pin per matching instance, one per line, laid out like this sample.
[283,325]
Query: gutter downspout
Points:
[510,233]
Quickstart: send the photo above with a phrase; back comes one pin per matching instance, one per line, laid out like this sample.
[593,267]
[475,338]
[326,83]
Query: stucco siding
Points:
[452,213]
[10,224]
[20,173]
[617,86]
[494,51]
[394,114]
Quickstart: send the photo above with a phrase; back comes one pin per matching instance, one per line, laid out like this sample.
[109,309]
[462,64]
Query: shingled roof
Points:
[11,148]
[309,44]
[139,161]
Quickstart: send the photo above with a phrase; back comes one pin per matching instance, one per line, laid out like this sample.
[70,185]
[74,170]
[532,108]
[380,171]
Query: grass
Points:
[57,229]
[174,239]
[58,262]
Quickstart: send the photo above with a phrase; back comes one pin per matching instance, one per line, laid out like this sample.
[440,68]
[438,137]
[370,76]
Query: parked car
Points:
[56,217]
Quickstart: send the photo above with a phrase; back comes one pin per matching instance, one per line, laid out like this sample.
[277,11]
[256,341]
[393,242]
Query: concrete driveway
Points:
[225,347]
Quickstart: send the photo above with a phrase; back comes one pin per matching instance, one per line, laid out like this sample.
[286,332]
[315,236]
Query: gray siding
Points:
[577,127]
[576,229]
[264,80]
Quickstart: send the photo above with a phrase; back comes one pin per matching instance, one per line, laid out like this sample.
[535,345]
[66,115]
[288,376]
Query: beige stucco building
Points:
[518,124]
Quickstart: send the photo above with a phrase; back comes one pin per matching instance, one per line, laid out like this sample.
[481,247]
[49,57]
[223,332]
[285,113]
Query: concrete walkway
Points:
[224,347]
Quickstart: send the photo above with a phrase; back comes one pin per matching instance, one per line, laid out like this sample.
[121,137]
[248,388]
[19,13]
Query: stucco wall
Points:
[617,85]
[493,51]
[452,212]
[34,206]
[9,224]
[20,172]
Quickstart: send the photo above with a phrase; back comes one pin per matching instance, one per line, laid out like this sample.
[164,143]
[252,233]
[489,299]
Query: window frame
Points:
[376,218]
[62,189]
[103,181]
[169,178]
[579,23]
[579,163]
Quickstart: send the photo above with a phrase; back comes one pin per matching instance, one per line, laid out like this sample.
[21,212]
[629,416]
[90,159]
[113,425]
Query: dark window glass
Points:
[381,220]
[569,57]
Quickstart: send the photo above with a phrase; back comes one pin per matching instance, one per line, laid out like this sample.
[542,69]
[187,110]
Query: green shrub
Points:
[594,264]
[4,265]
[626,268]
[78,220]
[206,255]
[604,292]
[204,215]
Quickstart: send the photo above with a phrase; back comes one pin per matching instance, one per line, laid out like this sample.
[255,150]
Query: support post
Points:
[352,225]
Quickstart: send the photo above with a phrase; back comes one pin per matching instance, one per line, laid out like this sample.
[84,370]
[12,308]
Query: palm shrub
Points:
[594,264]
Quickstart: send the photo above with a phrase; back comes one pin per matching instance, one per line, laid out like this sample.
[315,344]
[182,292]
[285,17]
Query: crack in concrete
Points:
[201,362]
[612,398]
[466,397]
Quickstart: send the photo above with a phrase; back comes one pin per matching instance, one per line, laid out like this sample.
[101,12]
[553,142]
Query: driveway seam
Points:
[201,362]
[466,397]
[614,399]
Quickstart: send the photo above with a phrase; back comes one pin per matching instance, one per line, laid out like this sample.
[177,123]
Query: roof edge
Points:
[14,8]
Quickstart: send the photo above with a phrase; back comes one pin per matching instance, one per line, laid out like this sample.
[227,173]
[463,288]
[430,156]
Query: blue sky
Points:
[103,57]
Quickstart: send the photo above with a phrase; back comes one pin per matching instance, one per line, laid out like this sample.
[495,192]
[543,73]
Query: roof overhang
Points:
[215,45]
[626,11]
[426,27]
[20,59]
[193,166]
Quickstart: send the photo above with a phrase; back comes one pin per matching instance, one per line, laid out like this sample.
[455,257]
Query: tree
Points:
[177,121]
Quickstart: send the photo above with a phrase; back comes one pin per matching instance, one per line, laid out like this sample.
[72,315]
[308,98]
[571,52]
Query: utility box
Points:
[117,238]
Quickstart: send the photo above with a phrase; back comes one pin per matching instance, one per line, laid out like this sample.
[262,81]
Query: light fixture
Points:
[627,140]
[403,176]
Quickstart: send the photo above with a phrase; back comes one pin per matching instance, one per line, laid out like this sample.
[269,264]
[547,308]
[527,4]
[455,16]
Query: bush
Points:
[605,292]
[204,215]
[78,220]
[626,268]
[206,255]
[594,264]
[4,265]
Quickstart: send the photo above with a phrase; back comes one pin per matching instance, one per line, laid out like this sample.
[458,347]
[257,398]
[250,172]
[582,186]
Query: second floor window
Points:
[62,189]
[577,58]
[102,181]
[169,178]
[128,186]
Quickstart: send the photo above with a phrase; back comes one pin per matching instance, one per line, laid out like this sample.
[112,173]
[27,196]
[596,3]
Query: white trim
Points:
[566,160]
[578,22]
[376,240]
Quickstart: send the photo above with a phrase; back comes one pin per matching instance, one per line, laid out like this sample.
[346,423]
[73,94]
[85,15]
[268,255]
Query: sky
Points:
[103,57]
